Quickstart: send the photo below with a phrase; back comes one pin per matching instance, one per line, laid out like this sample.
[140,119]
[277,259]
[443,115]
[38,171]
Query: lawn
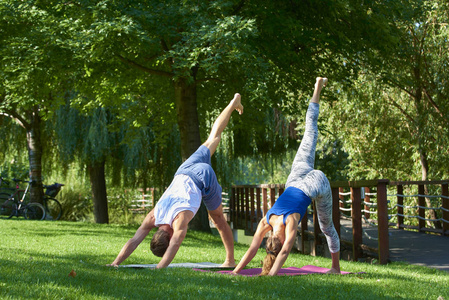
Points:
[36,259]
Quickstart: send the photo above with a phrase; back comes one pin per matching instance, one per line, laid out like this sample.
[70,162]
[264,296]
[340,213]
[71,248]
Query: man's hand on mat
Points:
[112,265]
[333,271]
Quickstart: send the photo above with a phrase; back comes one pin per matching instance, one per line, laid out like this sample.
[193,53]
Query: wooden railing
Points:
[249,203]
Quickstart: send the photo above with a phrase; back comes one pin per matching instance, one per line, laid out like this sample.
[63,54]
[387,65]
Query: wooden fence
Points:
[249,203]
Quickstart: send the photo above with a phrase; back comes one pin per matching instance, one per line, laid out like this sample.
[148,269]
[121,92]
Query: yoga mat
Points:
[291,271]
[201,265]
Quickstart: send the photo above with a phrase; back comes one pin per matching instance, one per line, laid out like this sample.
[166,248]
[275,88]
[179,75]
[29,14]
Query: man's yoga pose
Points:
[194,180]
[303,184]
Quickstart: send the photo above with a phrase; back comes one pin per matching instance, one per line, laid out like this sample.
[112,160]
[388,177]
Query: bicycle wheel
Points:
[34,211]
[7,207]
[53,209]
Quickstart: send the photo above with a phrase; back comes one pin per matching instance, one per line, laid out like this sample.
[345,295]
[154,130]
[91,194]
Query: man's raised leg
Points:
[222,121]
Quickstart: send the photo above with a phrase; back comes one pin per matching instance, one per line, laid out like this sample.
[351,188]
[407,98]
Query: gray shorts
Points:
[198,167]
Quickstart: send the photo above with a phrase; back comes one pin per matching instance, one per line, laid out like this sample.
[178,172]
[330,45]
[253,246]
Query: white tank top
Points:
[181,195]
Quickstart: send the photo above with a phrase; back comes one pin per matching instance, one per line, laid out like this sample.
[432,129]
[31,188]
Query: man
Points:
[194,181]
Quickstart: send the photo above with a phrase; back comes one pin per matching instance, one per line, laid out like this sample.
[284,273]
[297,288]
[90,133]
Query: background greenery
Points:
[108,96]
[37,258]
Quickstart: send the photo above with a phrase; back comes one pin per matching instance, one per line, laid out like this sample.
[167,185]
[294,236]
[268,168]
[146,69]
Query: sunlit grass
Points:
[36,259]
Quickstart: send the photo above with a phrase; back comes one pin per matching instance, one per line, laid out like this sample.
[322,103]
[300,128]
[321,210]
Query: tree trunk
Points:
[98,185]
[34,146]
[189,128]
[422,119]
[187,113]
[424,171]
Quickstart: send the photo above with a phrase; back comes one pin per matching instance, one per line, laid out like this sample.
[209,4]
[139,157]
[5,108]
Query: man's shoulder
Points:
[183,217]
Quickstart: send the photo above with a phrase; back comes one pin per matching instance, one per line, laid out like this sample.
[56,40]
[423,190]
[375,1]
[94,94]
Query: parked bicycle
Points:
[53,207]
[14,205]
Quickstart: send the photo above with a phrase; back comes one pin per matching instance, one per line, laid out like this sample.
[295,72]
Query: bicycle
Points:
[12,206]
[53,207]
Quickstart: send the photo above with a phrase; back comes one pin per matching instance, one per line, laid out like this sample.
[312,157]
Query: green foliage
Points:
[37,258]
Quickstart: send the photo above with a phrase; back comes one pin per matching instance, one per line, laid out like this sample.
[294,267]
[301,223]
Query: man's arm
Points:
[262,229]
[180,225]
[135,241]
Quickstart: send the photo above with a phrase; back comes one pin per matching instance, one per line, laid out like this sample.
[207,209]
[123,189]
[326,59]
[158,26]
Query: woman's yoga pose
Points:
[194,181]
[304,184]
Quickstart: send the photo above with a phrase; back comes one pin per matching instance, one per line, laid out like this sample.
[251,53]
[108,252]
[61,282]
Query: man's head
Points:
[161,240]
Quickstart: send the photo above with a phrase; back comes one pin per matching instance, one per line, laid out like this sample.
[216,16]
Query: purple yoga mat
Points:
[291,271]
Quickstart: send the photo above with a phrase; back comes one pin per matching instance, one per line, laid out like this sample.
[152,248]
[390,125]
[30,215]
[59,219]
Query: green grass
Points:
[37,257]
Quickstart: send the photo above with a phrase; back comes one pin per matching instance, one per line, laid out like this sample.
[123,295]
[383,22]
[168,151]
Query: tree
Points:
[34,68]
[399,122]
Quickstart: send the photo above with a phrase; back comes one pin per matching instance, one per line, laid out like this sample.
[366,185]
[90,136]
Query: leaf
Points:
[72,273]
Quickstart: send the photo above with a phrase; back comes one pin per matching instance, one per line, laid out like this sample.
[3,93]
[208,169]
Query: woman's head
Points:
[273,248]
[160,242]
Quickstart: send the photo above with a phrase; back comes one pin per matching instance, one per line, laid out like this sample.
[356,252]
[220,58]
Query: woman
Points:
[304,184]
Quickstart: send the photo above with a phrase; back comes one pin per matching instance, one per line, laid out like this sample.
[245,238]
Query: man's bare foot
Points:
[333,271]
[236,102]
[321,82]
[228,264]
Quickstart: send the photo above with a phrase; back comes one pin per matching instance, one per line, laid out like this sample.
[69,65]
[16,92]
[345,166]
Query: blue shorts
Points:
[198,167]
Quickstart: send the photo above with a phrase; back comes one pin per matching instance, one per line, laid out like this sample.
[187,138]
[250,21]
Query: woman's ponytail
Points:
[273,248]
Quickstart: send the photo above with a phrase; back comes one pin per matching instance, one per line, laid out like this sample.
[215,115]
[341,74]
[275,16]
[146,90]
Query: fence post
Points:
[264,200]
[246,201]
[356,213]
[341,197]
[303,232]
[382,214]
[231,207]
[367,202]
[272,195]
[421,212]
[400,202]
[336,209]
[445,193]
[259,210]
[252,216]
[240,206]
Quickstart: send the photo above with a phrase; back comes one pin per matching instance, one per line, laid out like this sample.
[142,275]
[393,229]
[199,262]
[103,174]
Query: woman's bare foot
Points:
[319,84]
[236,102]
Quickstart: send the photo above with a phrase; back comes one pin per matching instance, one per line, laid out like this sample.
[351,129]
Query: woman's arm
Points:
[290,236]
[262,229]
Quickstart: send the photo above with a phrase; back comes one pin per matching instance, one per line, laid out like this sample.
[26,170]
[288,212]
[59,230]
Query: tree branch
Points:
[16,117]
[400,109]
[397,85]
[435,106]
[145,69]
[210,79]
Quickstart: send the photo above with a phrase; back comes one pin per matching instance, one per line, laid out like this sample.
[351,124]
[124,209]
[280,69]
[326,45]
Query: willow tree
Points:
[34,68]
[185,44]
